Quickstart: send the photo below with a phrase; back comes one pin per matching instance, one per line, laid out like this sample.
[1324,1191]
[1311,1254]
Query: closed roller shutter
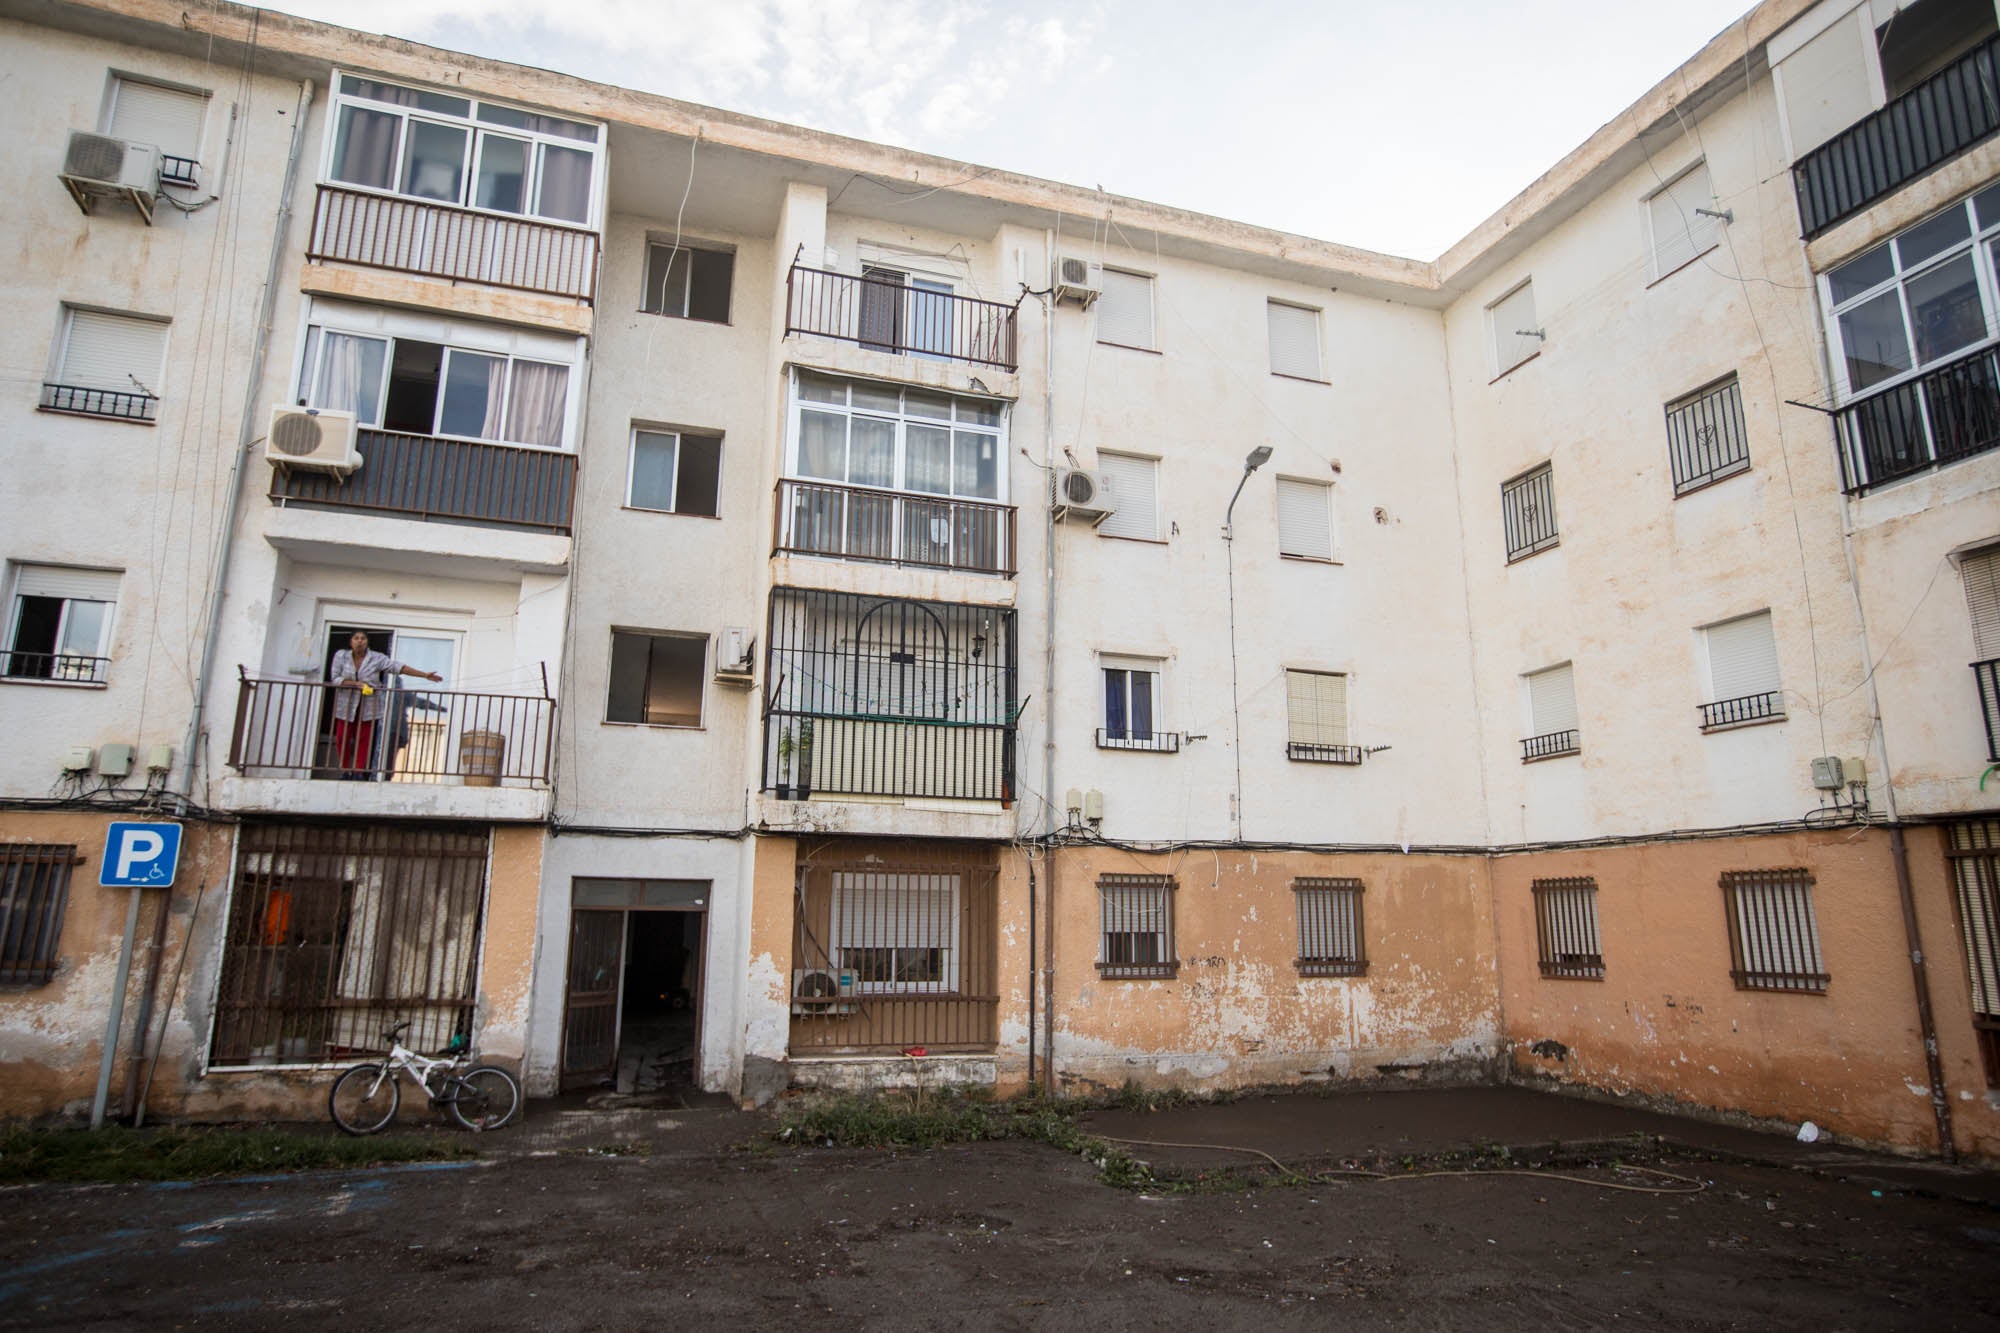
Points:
[1680,233]
[1125,310]
[1552,700]
[1305,519]
[1294,340]
[83,585]
[117,352]
[1134,484]
[1742,658]
[1982,597]
[167,118]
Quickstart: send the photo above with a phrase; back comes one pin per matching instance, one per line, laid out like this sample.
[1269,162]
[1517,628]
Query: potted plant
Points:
[802,771]
[787,746]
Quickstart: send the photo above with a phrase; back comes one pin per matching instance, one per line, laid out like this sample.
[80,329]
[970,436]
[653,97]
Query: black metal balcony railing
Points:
[444,241]
[182,171]
[1748,708]
[1550,746]
[1948,113]
[1950,412]
[892,316]
[67,667]
[1988,675]
[514,486]
[284,728]
[1310,753]
[892,527]
[121,404]
[1154,742]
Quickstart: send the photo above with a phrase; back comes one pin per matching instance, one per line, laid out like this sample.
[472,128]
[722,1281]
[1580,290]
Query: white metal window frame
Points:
[1983,239]
[686,293]
[115,86]
[902,420]
[1309,318]
[1689,236]
[1133,285]
[59,366]
[1508,346]
[476,132]
[850,886]
[1153,669]
[676,434]
[72,585]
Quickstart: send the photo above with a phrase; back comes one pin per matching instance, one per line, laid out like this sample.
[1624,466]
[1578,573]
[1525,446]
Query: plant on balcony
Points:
[795,761]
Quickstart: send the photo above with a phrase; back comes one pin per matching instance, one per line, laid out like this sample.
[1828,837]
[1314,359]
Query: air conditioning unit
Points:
[1078,279]
[97,166]
[822,990]
[310,438]
[1081,494]
[733,657]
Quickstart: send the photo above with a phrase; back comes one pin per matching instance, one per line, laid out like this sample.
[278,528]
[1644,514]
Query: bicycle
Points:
[364,1099]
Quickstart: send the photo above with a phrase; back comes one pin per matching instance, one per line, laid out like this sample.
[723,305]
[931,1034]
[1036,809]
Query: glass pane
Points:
[350,376]
[1933,237]
[1142,704]
[928,465]
[1114,702]
[565,184]
[399,96]
[823,446]
[434,162]
[537,403]
[1945,311]
[978,457]
[873,460]
[979,412]
[364,149]
[503,174]
[822,389]
[1872,337]
[1858,275]
[877,397]
[426,652]
[653,466]
[666,280]
[472,393]
[917,403]
[1987,205]
[83,628]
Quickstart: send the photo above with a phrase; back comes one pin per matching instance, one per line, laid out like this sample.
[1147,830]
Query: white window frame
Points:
[1529,347]
[1704,234]
[902,420]
[687,284]
[678,435]
[1155,668]
[1318,317]
[1331,555]
[59,361]
[1152,282]
[1711,694]
[946,885]
[18,572]
[701,677]
[1538,727]
[1122,512]
[115,85]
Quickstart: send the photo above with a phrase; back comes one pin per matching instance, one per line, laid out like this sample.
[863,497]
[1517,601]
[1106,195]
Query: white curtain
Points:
[535,409]
[350,376]
[496,396]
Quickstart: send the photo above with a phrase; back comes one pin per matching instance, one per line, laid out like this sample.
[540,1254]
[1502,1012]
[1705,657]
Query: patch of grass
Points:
[197,1154]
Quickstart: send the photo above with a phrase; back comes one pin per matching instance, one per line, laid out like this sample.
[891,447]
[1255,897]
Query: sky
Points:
[1391,126]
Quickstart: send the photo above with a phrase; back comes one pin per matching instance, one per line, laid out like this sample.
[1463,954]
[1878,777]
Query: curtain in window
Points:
[365,151]
[350,377]
[535,408]
[565,193]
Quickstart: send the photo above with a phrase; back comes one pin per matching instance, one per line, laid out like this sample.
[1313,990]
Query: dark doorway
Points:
[656,1040]
[633,1011]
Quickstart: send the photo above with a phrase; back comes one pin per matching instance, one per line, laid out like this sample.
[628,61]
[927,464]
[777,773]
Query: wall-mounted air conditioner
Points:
[97,166]
[1082,495]
[733,653]
[822,990]
[308,437]
[1078,279]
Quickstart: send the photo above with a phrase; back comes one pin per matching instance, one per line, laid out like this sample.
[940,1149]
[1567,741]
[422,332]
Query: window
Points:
[901,311]
[1566,929]
[107,365]
[1706,437]
[674,472]
[439,377]
[1552,729]
[1125,310]
[1773,934]
[1294,340]
[897,931]
[59,624]
[1305,519]
[1316,718]
[140,111]
[461,151]
[34,889]
[1515,335]
[859,433]
[1975,864]
[1133,483]
[1742,673]
[1678,232]
[1136,936]
[1922,38]
[1981,572]
[1528,513]
[1132,707]
[1330,940]
[656,679]
[688,281]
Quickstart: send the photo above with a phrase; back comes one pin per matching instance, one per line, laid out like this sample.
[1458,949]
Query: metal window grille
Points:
[1331,943]
[1773,932]
[1986,677]
[1974,853]
[896,950]
[1706,437]
[34,890]
[1528,512]
[1566,928]
[1136,935]
[336,932]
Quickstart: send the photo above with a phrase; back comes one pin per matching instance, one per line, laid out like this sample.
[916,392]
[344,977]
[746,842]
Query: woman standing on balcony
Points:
[360,677]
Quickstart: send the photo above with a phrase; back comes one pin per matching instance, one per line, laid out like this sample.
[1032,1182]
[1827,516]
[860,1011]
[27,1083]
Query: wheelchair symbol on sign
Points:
[140,856]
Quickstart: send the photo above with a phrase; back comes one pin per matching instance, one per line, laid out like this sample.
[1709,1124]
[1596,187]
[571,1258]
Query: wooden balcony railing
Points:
[893,316]
[284,729]
[466,481]
[894,527]
[444,241]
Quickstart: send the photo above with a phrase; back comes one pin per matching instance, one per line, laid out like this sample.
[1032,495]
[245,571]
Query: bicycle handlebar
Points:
[396,1031]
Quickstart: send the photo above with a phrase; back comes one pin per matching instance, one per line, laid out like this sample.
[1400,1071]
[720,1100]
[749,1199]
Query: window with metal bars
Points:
[1773,931]
[34,890]
[1136,931]
[1331,943]
[1974,853]
[1706,438]
[1566,929]
[337,932]
[1528,512]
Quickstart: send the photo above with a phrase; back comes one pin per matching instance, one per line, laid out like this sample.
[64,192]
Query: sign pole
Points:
[117,1018]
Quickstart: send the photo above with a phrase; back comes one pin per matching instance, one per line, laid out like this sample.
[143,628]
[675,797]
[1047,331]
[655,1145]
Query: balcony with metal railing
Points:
[117,404]
[889,315]
[436,240]
[1309,752]
[60,668]
[1553,745]
[1724,713]
[1953,110]
[1948,413]
[1987,674]
[429,477]
[819,518]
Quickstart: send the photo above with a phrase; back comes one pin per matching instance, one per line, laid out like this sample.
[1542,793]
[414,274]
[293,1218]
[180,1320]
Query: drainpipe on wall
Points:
[1049,661]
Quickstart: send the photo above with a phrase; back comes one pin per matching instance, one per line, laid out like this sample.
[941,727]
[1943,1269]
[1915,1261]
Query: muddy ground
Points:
[680,1226]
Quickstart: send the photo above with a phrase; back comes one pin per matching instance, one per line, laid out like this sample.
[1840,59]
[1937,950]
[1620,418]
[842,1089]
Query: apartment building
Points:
[885,607]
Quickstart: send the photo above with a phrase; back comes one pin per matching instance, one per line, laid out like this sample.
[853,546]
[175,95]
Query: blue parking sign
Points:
[140,856]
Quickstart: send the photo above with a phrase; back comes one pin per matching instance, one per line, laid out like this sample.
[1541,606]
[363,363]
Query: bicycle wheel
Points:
[364,1099]
[484,1097]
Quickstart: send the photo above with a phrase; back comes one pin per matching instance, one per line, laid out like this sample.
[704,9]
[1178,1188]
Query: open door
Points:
[590,1018]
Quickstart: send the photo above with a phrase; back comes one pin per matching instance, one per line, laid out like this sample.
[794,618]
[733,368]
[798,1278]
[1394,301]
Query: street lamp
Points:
[1256,459]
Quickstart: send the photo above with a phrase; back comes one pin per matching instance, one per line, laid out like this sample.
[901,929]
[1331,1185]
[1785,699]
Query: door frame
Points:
[700,988]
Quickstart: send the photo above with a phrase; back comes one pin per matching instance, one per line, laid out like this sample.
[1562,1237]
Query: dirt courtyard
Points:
[676,1224]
